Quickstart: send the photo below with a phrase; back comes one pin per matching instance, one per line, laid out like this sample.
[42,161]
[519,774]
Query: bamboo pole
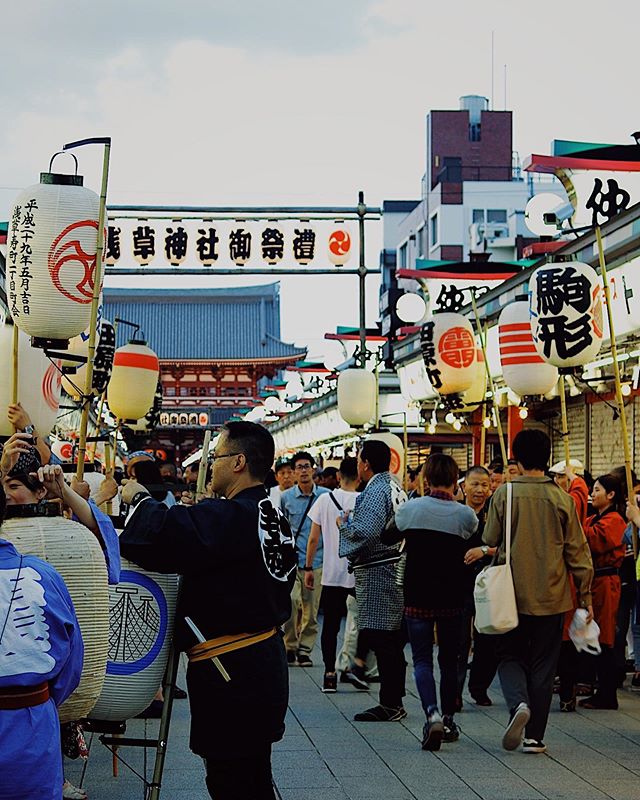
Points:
[405,445]
[565,423]
[15,374]
[616,374]
[97,284]
[202,470]
[503,449]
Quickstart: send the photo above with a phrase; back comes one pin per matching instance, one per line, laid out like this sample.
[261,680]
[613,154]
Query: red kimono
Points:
[604,533]
[579,493]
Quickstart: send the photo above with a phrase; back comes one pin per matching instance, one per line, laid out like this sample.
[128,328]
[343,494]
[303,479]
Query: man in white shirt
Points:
[337,582]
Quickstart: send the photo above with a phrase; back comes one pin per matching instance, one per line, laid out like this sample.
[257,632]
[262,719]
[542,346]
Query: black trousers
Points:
[334,607]
[528,660]
[388,647]
[240,778]
[485,661]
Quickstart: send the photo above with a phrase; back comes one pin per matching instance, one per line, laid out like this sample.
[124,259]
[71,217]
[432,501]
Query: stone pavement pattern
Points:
[592,755]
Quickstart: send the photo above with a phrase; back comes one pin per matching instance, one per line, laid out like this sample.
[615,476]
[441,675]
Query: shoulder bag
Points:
[494,595]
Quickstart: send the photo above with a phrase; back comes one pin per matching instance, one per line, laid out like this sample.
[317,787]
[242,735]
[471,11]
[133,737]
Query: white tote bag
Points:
[494,595]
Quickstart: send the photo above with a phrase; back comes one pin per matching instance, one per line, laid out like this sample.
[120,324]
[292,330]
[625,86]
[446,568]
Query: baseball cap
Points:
[560,467]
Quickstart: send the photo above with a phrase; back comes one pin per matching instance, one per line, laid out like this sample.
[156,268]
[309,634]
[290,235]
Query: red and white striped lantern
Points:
[51,258]
[523,369]
[449,353]
[133,381]
[339,246]
[565,304]
[38,383]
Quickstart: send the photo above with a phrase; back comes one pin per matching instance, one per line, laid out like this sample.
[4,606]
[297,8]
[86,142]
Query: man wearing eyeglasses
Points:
[237,559]
[295,504]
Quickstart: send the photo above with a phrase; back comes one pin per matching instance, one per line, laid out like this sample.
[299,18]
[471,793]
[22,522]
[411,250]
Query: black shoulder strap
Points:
[334,501]
[304,516]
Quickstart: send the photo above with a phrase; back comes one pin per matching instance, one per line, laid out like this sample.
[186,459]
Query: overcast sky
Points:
[293,102]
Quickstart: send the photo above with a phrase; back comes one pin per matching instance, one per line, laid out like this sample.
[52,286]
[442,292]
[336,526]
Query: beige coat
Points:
[547,543]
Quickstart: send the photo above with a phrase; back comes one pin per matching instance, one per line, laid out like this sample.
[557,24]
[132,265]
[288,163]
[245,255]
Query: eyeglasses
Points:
[216,456]
[303,466]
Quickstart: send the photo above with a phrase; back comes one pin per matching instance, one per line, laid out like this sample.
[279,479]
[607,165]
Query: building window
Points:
[403,256]
[475,132]
[434,230]
[478,215]
[496,215]
[420,242]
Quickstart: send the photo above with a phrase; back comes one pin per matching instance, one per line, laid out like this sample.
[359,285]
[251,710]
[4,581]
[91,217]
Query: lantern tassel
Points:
[97,283]
[503,449]
[619,396]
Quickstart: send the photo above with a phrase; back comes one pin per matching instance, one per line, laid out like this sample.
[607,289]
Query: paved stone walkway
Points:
[326,756]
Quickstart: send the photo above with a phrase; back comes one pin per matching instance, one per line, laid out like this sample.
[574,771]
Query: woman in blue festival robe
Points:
[40,643]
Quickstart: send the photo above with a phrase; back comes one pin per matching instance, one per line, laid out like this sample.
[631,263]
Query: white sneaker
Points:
[534,746]
[514,731]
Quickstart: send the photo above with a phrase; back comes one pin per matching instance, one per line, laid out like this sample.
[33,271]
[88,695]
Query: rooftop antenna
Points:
[492,64]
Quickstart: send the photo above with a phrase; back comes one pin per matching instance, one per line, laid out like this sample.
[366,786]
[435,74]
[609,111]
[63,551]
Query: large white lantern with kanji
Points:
[523,369]
[38,383]
[132,387]
[565,303]
[357,396]
[449,353]
[51,258]
[73,381]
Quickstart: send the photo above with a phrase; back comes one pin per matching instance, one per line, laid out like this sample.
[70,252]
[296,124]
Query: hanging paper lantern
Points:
[51,258]
[449,353]
[357,396]
[565,303]
[475,394]
[152,418]
[396,446]
[339,246]
[141,613]
[523,369]
[133,381]
[76,553]
[38,383]
[73,380]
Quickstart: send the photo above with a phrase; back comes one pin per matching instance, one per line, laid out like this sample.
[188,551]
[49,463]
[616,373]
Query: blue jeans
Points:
[421,636]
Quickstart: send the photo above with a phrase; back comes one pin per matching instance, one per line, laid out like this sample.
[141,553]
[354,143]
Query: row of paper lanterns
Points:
[54,226]
[559,328]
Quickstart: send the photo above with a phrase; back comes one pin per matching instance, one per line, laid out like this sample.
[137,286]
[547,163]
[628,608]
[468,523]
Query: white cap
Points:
[575,466]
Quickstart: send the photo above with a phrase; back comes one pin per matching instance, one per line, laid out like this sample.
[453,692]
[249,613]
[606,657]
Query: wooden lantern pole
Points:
[616,374]
[97,285]
[565,423]
[503,449]
[202,470]
[15,374]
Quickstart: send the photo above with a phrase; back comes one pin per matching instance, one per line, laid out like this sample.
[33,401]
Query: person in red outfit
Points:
[604,531]
[569,479]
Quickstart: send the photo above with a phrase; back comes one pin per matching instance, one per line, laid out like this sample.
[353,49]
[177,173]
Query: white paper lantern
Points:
[523,369]
[38,383]
[141,613]
[74,378]
[357,396]
[339,246]
[51,258]
[411,308]
[449,353]
[132,387]
[397,450]
[75,552]
[475,394]
[565,303]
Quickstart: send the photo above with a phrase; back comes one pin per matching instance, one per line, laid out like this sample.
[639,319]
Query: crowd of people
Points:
[315,546]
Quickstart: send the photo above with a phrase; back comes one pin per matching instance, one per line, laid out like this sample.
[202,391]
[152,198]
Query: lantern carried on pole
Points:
[37,382]
[523,368]
[74,379]
[357,396]
[132,387]
[52,242]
